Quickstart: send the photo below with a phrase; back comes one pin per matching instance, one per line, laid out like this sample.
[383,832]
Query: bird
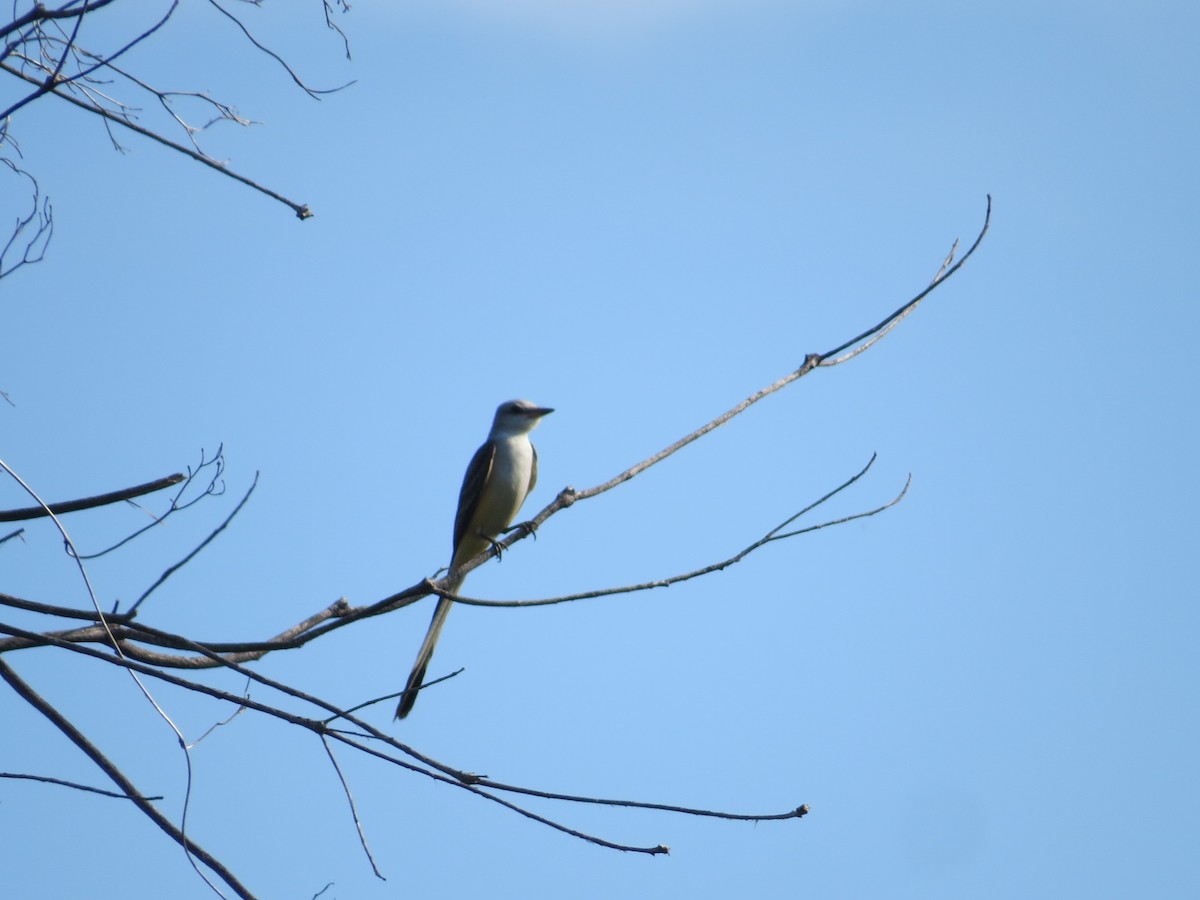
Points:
[501,474]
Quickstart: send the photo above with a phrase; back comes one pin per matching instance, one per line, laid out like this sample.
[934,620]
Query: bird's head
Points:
[518,417]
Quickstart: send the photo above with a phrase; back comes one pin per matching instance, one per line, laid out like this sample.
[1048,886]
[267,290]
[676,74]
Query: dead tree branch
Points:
[419,764]
[87,788]
[145,651]
[66,506]
[41,48]
[183,562]
[212,466]
[128,789]
[775,534]
[32,231]
[341,614]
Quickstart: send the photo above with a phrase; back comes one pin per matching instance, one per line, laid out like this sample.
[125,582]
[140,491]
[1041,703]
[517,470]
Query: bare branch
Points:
[204,543]
[39,13]
[162,713]
[134,641]
[798,813]
[34,229]
[36,512]
[65,612]
[333,26]
[425,765]
[217,465]
[213,727]
[300,209]
[312,92]
[775,534]
[54,77]
[46,779]
[194,850]
[362,837]
[943,274]
[569,495]
[341,614]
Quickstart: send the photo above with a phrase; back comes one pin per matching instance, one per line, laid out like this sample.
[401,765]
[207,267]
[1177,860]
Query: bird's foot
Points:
[529,527]
[495,545]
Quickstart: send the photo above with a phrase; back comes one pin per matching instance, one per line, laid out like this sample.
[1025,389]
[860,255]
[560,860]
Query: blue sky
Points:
[639,214]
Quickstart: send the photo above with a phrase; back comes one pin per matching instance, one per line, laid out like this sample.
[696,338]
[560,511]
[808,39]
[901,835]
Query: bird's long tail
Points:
[417,677]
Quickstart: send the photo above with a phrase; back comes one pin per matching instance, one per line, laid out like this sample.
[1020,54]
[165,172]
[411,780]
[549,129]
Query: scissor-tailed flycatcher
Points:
[501,475]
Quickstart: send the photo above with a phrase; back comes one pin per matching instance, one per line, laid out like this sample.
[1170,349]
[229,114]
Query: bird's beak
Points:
[541,411]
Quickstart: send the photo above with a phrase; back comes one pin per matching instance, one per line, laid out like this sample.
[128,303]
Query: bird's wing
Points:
[472,489]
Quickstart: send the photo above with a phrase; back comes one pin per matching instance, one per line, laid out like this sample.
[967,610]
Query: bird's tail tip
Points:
[409,697]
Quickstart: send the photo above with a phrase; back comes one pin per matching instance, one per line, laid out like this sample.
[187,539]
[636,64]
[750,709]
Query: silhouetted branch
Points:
[37,512]
[423,764]
[52,70]
[216,468]
[944,273]
[41,47]
[171,570]
[341,614]
[315,93]
[569,496]
[775,534]
[65,612]
[39,13]
[798,813]
[136,642]
[46,779]
[333,26]
[362,837]
[194,850]
[300,209]
[112,641]
[33,230]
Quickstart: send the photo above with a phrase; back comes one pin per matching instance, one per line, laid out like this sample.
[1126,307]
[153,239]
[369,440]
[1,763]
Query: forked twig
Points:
[775,534]
[171,570]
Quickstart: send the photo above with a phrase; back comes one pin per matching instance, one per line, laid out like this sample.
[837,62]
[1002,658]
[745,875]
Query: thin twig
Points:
[394,695]
[773,535]
[908,307]
[362,836]
[300,209]
[217,462]
[171,570]
[312,92]
[798,813]
[40,212]
[46,779]
[221,724]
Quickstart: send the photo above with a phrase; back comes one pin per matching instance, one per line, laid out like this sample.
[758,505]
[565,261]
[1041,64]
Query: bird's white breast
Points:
[508,484]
